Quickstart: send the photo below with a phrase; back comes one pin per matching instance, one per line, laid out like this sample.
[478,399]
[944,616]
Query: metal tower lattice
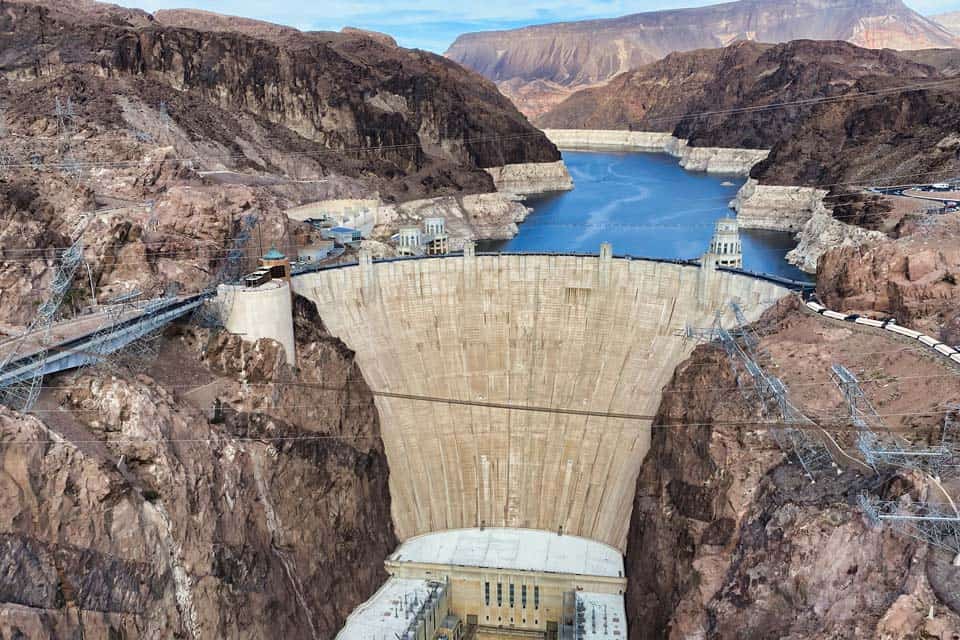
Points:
[880,446]
[35,341]
[66,117]
[934,523]
[136,354]
[794,433]
[229,271]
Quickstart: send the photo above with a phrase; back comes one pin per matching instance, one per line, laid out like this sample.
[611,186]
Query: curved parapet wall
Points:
[592,334]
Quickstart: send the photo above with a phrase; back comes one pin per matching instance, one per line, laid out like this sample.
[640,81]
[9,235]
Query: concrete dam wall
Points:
[593,334]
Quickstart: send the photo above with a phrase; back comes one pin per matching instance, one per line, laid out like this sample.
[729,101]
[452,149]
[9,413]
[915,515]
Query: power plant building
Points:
[506,581]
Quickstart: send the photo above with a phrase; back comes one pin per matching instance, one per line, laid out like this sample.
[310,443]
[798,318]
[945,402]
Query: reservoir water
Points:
[646,205]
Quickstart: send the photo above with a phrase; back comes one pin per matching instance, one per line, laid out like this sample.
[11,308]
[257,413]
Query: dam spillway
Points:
[592,334]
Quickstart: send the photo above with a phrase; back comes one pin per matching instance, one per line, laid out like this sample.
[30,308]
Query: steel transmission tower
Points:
[35,341]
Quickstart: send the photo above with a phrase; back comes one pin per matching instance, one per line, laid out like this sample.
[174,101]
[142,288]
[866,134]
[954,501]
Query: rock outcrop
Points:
[131,514]
[184,128]
[531,178]
[482,216]
[914,279]
[576,54]
[776,208]
[821,233]
[729,541]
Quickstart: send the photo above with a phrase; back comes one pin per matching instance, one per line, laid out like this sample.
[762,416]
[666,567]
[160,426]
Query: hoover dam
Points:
[516,394]
[577,348]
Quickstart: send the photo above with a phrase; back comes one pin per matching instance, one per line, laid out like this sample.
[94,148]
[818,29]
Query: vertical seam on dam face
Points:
[566,332]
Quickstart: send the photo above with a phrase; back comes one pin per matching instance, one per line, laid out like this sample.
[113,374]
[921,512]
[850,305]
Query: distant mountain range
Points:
[540,65]
[848,120]
[950,21]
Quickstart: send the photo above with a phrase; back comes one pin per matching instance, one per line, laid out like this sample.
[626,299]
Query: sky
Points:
[434,24]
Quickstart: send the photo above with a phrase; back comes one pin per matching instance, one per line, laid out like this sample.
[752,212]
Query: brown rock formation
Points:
[812,143]
[727,541]
[574,54]
[136,517]
[915,279]
[182,126]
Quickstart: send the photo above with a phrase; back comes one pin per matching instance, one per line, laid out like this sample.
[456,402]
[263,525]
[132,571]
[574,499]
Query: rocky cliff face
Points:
[728,541]
[174,130]
[575,54]
[739,81]
[130,514]
[336,91]
[853,125]
[914,279]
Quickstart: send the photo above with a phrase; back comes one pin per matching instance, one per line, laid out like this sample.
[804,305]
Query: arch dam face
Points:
[592,334]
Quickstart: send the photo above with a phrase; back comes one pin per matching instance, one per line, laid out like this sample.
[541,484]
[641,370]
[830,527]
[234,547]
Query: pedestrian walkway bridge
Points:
[87,339]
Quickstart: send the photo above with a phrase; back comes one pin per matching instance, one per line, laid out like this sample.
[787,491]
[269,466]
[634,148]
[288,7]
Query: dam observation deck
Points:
[587,340]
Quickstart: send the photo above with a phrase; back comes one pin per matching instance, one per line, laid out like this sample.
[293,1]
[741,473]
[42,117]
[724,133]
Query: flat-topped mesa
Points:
[518,390]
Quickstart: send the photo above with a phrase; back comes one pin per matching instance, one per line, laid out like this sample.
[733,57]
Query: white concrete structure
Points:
[393,611]
[505,581]
[725,249]
[513,550]
[553,366]
[356,213]
[260,312]
[409,241]
[433,241]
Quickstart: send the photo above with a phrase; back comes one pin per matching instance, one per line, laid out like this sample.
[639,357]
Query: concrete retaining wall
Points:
[580,333]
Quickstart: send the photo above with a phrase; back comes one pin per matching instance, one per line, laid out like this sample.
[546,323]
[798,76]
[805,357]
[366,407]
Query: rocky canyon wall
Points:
[729,541]
[132,515]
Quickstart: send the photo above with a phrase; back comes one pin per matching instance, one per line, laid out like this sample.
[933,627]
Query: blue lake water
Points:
[646,205]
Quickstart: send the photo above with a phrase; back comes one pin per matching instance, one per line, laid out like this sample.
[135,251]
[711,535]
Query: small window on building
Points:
[523,596]
[511,595]
[499,594]
[486,593]
[536,597]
